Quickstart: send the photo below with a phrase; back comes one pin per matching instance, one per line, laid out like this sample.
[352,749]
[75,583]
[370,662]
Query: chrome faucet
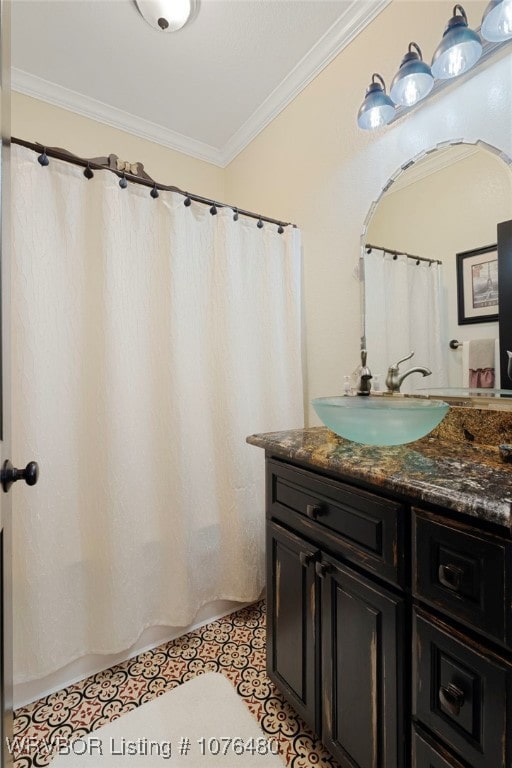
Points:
[394,379]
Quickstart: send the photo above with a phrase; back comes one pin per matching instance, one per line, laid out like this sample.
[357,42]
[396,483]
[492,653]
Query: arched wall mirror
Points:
[447,201]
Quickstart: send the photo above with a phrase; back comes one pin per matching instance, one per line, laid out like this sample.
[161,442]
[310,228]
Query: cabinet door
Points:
[292,620]
[362,669]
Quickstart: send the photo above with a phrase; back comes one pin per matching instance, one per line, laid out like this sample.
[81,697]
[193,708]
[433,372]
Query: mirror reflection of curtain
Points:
[403,308]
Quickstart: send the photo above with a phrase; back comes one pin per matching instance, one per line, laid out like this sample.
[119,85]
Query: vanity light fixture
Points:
[166,15]
[497,21]
[414,79]
[459,49]
[377,108]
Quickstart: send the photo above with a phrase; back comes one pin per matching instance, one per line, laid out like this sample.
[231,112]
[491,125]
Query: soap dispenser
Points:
[363,376]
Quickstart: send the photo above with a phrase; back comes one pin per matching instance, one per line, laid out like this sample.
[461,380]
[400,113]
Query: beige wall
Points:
[37,121]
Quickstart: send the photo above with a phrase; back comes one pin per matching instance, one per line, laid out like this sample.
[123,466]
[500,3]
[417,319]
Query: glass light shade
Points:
[459,49]
[166,15]
[376,110]
[412,82]
[497,21]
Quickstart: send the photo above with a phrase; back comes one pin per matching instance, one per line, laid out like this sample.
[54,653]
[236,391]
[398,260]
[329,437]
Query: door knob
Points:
[451,699]
[450,576]
[306,558]
[313,511]
[322,569]
[9,474]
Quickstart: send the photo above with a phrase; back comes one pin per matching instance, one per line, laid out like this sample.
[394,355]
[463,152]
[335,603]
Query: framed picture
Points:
[477,285]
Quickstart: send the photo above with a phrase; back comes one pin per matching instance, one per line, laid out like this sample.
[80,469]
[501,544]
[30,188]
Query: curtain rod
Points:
[369,248]
[125,171]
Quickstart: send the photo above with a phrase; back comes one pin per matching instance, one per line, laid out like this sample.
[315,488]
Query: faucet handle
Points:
[404,359]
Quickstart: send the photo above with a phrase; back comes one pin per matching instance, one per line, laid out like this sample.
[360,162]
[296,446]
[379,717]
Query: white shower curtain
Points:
[403,313]
[150,340]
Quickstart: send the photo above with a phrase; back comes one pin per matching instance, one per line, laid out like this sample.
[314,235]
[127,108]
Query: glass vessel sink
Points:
[380,420]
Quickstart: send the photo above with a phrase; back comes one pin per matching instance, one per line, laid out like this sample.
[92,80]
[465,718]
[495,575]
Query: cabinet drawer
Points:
[460,693]
[425,755]
[463,572]
[360,526]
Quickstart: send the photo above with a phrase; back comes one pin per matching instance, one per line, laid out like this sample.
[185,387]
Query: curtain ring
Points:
[43,158]
[88,172]
[213,210]
[187,201]
[235,214]
[259,224]
[154,192]
[122,182]
[280,229]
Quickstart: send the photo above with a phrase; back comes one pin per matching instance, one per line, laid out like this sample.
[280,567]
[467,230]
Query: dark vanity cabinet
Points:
[389,627]
[462,624]
[335,642]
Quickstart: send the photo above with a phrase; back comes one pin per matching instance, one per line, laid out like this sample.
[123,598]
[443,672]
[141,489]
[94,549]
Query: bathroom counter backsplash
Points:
[477,426]
[459,475]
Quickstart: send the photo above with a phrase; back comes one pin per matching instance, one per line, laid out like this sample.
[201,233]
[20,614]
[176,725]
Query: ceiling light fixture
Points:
[497,21]
[459,49]
[414,79]
[167,15]
[377,108]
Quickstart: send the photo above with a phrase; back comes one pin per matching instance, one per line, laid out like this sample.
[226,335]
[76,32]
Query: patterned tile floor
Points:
[233,645]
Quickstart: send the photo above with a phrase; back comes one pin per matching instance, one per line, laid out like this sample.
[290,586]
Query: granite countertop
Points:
[466,478]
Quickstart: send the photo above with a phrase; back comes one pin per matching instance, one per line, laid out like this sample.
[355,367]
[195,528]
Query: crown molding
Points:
[44,90]
[355,18]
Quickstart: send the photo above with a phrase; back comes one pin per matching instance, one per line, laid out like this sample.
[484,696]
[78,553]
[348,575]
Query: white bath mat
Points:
[200,724]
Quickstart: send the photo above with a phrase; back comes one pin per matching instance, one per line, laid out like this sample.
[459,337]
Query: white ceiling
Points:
[206,90]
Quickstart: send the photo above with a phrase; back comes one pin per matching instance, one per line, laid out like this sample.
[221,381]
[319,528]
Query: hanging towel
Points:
[481,363]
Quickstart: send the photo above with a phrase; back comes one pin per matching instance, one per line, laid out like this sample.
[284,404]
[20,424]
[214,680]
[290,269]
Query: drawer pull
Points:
[450,576]
[313,511]
[451,699]
[306,558]
[322,569]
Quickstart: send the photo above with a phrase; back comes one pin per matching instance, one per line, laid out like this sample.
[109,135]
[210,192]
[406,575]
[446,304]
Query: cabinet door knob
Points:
[322,569]
[313,511]
[450,576]
[451,699]
[306,558]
